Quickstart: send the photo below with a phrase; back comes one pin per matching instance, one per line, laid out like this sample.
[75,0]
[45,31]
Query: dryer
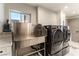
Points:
[54,39]
[66,39]
[66,34]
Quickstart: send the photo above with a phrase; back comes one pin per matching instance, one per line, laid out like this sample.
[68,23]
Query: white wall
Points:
[1,15]
[46,17]
[21,7]
[62,18]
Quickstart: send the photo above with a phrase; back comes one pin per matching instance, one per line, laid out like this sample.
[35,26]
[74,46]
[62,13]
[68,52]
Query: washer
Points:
[54,39]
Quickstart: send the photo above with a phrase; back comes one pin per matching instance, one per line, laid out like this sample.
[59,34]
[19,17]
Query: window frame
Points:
[21,12]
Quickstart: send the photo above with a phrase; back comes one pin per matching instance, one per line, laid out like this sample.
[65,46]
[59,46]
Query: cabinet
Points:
[5,44]
[23,44]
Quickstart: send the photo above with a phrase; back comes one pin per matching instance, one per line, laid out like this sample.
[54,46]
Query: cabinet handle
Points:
[1,51]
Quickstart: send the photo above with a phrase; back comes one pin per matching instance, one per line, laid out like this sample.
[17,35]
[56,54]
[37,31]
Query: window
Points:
[19,16]
[15,16]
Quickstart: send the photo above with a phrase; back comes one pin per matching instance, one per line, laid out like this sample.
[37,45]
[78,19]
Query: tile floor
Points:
[74,49]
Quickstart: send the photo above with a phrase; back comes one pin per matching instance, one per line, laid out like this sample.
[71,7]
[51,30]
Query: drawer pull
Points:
[1,51]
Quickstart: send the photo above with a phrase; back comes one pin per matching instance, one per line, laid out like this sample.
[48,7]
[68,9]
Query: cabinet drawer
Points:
[5,51]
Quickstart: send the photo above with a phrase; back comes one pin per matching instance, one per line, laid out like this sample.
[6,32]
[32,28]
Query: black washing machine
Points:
[66,39]
[54,40]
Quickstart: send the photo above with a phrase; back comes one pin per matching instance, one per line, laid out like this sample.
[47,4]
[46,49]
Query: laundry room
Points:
[39,29]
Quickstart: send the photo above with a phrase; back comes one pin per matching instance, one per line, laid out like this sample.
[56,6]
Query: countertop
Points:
[25,38]
[22,42]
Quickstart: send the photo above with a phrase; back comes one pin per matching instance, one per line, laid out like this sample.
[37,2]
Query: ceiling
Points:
[71,9]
